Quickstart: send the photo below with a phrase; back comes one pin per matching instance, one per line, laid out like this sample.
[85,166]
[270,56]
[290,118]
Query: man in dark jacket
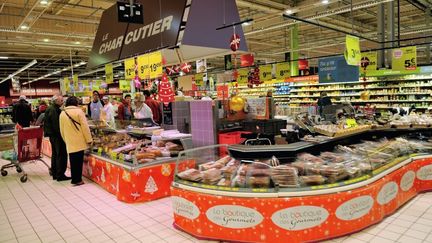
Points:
[323,101]
[22,113]
[58,147]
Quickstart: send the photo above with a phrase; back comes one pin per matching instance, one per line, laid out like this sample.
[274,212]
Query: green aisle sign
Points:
[352,50]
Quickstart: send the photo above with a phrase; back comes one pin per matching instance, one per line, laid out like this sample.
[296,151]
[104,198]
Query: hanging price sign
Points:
[66,84]
[125,85]
[113,155]
[129,65]
[155,63]
[282,70]
[368,61]
[96,85]
[404,58]
[109,73]
[266,72]
[242,77]
[199,79]
[143,67]
[121,157]
[352,50]
[99,151]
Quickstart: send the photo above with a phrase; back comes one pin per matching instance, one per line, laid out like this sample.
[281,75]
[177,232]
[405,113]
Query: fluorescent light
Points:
[82,63]
[24,27]
[46,40]
[4,57]
[77,42]
[44,2]
[20,70]
[288,11]
[246,24]
[64,69]
[324,1]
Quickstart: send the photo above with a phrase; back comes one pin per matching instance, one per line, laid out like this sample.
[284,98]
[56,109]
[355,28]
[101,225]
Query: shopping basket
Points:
[26,145]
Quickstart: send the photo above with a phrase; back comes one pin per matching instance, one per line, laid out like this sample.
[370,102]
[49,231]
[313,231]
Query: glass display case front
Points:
[326,169]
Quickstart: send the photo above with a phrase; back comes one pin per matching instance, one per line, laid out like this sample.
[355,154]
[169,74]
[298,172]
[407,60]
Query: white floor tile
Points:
[408,239]
[416,234]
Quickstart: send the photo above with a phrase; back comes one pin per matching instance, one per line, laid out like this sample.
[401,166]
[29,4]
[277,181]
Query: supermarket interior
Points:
[215,121]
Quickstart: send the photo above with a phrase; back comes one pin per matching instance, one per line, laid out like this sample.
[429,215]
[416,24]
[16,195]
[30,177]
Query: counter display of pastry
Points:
[133,169]
[307,198]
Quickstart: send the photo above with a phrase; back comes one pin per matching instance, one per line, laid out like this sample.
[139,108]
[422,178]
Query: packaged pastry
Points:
[239,181]
[332,157]
[210,165]
[191,175]
[224,160]
[211,176]
[258,181]
[313,180]
[309,158]
[229,170]
[224,182]
[301,166]
[285,176]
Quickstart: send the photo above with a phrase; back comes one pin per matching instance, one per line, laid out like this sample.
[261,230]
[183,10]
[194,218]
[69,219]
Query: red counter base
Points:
[140,185]
[299,219]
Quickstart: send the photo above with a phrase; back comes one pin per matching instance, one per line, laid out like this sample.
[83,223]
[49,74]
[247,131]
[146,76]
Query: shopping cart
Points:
[26,145]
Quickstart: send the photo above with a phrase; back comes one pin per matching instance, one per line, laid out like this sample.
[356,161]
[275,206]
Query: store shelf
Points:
[362,82]
[357,94]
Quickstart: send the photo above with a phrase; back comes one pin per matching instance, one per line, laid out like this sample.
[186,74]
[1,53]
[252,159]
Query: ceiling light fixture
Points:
[20,70]
[45,40]
[246,24]
[325,1]
[44,2]
[77,42]
[4,57]
[288,11]
[24,27]
[55,72]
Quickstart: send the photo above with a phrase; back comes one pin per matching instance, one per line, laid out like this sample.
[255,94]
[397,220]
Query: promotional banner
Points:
[125,85]
[266,72]
[247,60]
[155,63]
[129,66]
[201,66]
[404,59]
[143,67]
[222,92]
[243,74]
[109,73]
[352,50]
[368,61]
[282,70]
[335,69]
[303,64]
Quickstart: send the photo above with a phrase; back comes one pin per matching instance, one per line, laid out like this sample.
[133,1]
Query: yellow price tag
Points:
[143,67]
[242,77]
[199,79]
[155,63]
[113,155]
[109,73]
[125,85]
[266,72]
[129,65]
[351,123]
[282,70]
[100,149]
[352,50]
[404,58]
[121,157]
[66,84]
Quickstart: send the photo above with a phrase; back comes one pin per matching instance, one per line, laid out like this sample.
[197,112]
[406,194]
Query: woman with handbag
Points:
[75,132]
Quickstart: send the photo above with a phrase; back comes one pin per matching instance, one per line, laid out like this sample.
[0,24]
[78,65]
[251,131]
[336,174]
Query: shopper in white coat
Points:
[108,109]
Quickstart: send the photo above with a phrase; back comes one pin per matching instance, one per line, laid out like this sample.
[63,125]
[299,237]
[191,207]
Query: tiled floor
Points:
[43,210]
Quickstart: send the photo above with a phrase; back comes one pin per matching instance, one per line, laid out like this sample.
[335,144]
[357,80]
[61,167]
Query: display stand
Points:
[319,213]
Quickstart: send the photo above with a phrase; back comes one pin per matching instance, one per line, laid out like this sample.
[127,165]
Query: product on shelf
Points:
[191,175]
[337,130]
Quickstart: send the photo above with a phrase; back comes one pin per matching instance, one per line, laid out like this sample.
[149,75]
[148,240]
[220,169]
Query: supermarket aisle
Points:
[42,210]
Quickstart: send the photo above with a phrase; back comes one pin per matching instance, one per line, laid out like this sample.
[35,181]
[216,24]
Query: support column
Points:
[428,24]
[390,31]
[294,50]
[380,35]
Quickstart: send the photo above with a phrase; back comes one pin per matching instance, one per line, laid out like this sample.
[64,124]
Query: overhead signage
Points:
[303,64]
[143,67]
[242,76]
[282,70]
[109,73]
[155,64]
[201,66]
[118,40]
[125,85]
[404,59]
[96,85]
[352,50]
[335,69]
[368,61]
[66,85]
[266,72]
[129,66]
[199,79]
[247,60]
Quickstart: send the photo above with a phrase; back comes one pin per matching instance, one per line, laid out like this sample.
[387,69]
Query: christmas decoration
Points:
[235,42]
[166,94]
[253,78]
[236,103]
[186,67]
[137,82]
[151,186]
[170,70]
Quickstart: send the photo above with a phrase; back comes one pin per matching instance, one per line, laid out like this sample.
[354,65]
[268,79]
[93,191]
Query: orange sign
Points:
[311,78]
[299,219]
[222,92]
